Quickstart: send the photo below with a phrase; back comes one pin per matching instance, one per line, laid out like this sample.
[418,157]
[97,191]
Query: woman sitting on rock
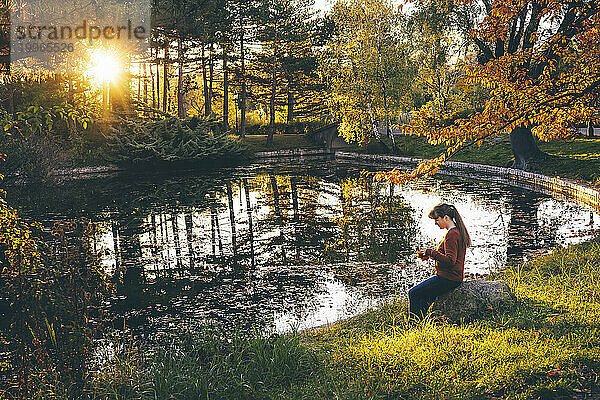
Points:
[449,260]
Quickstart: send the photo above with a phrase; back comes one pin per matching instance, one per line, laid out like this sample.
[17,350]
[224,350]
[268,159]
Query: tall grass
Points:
[208,365]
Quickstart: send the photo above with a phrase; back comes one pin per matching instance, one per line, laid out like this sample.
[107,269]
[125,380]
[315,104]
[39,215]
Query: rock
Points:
[473,299]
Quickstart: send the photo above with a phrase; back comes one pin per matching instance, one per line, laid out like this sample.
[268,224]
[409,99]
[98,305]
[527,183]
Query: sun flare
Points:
[105,67]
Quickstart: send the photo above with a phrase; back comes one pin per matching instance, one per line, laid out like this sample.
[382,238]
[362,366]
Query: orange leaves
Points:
[547,79]
[549,89]
[554,372]
[423,169]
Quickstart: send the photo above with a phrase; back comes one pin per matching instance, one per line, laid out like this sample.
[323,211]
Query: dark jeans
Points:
[423,295]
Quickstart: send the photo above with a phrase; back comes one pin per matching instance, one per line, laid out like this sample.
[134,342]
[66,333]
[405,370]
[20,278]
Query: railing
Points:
[267,155]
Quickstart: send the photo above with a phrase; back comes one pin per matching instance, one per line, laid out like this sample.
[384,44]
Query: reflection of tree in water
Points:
[288,233]
[237,300]
[375,224]
[250,221]
[568,221]
[297,224]
[195,232]
[525,234]
[313,224]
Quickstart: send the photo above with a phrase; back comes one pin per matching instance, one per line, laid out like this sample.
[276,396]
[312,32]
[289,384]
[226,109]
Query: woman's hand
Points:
[422,254]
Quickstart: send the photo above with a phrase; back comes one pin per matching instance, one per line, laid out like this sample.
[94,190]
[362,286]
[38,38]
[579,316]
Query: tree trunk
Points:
[157,78]
[104,100]
[152,80]
[225,91]
[165,78]
[145,74]
[273,93]
[210,78]
[71,97]
[384,79]
[374,126]
[388,128]
[590,129]
[180,105]
[290,106]
[205,85]
[524,148]
[243,72]
[139,75]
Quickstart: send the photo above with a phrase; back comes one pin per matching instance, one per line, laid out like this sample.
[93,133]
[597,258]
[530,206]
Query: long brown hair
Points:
[443,209]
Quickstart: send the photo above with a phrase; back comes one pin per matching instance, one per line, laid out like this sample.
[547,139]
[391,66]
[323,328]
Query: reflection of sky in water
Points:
[573,223]
[335,302]
[185,249]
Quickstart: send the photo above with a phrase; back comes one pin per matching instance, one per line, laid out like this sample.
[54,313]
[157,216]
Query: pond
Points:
[290,246]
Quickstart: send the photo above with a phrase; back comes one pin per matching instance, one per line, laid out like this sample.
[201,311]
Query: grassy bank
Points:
[280,142]
[548,346]
[577,159]
[573,158]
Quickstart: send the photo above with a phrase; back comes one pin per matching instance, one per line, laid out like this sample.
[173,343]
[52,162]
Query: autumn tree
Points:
[367,68]
[438,32]
[540,62]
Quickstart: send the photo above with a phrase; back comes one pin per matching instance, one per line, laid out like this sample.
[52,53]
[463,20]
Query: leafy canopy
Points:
[367,67]
[540,63]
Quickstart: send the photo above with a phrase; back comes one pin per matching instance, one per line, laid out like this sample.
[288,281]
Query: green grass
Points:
[210,365]
[546,347]
[577,159]
[582,149]
[280,142]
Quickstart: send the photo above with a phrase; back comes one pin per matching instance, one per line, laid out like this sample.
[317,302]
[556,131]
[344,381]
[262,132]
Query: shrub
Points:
[50,287]
[172,142]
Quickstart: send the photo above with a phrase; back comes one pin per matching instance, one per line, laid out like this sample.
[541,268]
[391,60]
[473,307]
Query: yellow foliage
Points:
[549,87]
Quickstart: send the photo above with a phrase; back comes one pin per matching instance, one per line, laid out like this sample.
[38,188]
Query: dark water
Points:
[287,246]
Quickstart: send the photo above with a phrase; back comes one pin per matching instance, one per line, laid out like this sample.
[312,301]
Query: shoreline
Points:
[582,192]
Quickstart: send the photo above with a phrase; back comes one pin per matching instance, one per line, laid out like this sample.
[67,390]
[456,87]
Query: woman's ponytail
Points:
[462,229]
[442,210]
